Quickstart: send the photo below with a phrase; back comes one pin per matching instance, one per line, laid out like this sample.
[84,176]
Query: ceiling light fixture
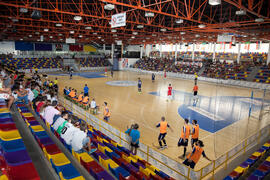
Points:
[241,12]
[201,25]
[179,21]
[135,33]
[114,30]
[77,18]
[71,32]
[88,27]
[163,29]
[258,20]
[46,30]
[109,7]
[140,26]
[149,14]
[58,25]
[30,35]
[132,37]
[80,36]
[60,34]
[182,33]
[94,33]
[214,2]
[51,37]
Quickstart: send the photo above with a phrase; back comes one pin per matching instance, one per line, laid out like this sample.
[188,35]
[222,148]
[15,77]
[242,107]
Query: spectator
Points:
[22,94]
[50,111]
[93,106]
[134,133]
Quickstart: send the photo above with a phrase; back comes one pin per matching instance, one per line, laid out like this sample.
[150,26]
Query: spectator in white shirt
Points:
[93,106]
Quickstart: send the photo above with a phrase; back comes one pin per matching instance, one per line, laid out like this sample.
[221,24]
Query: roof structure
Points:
[172,21]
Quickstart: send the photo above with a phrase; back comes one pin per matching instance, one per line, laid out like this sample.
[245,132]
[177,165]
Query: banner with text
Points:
[118,20]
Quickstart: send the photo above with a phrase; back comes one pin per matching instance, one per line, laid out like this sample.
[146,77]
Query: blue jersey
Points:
[139,83]
[86,89]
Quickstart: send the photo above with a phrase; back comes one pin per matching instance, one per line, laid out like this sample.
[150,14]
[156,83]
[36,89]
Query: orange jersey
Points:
[185,132]
[163,127]
[195,88]
[195,132]
[80,98]
[72,94]
[196,155]
[106,112]
[85,99]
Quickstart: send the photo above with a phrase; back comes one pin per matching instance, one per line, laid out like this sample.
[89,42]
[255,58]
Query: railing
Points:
[173,168]
[41,70]
[212,80]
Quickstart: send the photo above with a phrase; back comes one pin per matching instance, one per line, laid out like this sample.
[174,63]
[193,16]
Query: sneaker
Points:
[165,146]
[92,150]
[160,147]
[181,157]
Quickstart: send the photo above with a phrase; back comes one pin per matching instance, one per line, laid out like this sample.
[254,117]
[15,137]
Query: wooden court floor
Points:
[128,106]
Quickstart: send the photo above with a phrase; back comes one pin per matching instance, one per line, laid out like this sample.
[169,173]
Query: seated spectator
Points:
[50,111]
[80,98]
[22,94]
[85,100]
[6,95]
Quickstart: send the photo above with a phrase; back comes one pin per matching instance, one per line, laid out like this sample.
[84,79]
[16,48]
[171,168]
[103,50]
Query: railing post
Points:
[226,160]
[147,153]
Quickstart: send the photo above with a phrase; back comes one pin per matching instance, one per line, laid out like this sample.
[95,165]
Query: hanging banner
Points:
[224,38]
[118,20]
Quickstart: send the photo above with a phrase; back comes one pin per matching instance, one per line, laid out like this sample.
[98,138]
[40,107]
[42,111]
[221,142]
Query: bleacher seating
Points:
[58,160]
[30,63]
[93,62]
[119,160]
[226,70]
[168,65]
[263,75]
[260,172]
[14,159]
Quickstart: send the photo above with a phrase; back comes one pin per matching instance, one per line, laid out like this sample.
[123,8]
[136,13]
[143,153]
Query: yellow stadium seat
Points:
[266,145]
[107,162]
[114,143]
[257,154]
[135,157]
[129,158]
[10,135]
[151,167]
[27,114]
[4,110]
[3,177]
[37,128]
[268,158]
[239,170]
[101,148]
[147,171]
[87,158]
[59,159]
[76,178]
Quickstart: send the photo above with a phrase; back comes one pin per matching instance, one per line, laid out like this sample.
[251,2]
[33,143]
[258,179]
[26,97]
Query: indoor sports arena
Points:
[134,89]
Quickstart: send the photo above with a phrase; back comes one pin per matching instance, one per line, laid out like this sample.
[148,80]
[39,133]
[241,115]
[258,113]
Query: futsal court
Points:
[227,115]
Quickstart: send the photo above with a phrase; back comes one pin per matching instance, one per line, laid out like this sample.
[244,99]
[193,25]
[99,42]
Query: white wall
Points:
[7,47]
[133,48]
